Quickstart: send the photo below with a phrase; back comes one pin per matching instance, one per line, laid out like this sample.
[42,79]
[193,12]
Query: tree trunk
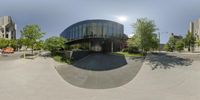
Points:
[32,49]
[189,48]
[24,55]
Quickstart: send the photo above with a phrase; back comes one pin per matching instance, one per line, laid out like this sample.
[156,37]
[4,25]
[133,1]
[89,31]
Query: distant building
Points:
[162,47]
[194,28]
[7,28]
[177,37]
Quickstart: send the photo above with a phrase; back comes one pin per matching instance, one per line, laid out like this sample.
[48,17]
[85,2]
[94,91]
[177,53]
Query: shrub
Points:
[179,45]
[59,57]
[132,49]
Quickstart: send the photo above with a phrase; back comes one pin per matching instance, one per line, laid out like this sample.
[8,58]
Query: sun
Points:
[121,18]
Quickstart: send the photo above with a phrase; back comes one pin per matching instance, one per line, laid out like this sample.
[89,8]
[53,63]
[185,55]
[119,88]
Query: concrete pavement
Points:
[123,71]
[7,57]
[37,79]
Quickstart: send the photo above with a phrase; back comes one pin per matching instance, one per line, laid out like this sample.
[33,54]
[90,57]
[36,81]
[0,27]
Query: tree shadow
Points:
[136,59]
[29,56]
[45,55]
[101,62]
[166,61]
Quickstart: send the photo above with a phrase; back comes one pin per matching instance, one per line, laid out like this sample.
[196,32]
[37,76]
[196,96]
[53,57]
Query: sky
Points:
[53,16]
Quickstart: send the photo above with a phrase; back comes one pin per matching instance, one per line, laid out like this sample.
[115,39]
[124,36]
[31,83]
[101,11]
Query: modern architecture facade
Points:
[7,28]
[194,28]
[100,35]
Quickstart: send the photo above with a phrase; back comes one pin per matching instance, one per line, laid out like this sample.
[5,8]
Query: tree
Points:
[30,35]
[198,42]
[190,40]
[13,43]
[155,42]
[55,44]
[4,43]
[39,45]
[20,43]
[171,44]
[179,45]
[144,37]
[166,47]
[131,41]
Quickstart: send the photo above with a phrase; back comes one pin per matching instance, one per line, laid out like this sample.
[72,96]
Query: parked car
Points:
[7,50]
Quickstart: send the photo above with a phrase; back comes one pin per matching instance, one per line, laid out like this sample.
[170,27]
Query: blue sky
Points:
[55,15]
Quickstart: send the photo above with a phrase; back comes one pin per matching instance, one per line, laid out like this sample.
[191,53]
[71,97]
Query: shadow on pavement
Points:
[8,57]
[101,62]
[167,61]
[45,55]
[97,73]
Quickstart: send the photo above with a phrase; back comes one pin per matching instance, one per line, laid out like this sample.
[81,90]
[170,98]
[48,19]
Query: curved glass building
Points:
[100,35]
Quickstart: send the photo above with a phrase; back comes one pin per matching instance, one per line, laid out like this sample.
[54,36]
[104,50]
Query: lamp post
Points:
[159,41]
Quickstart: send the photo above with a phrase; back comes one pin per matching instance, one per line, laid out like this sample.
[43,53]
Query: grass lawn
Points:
[129,54]
[61,59]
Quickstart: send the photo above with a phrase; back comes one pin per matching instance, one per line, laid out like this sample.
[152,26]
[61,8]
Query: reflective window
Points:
[84,30]
[98,29]
[110,29]
[80,31]
[94,29]
[105,29]
[77,33]
[73,33]
[70,34]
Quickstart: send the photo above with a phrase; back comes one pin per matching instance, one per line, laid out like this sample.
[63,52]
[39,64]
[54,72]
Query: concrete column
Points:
[9,34]
[4,32]
[89,45]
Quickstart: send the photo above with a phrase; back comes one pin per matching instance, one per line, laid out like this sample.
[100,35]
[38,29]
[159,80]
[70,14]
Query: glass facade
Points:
[93,29]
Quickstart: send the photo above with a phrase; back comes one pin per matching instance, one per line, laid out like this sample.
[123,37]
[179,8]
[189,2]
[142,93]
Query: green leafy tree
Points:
[55,44]
[198,42]
[13,43]
[179,45]
[190,40]
[171,44]
[39,45]
[20,43]
[144,37]
[133,41]
[30,35]
[4,43]
[155,42]
[166,47]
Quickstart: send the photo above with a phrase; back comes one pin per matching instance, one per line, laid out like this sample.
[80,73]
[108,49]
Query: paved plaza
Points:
[161,77]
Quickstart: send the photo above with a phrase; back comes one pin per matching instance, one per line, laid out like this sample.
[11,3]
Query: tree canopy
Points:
[174,44]
[31,34]
[170,46]
[179,45]
[144,35]
[190,40]
[54,43]
[4,43]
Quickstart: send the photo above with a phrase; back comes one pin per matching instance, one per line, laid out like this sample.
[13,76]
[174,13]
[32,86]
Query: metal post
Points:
[159,40]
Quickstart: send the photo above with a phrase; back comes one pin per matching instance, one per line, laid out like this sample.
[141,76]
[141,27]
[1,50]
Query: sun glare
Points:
[121,18]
